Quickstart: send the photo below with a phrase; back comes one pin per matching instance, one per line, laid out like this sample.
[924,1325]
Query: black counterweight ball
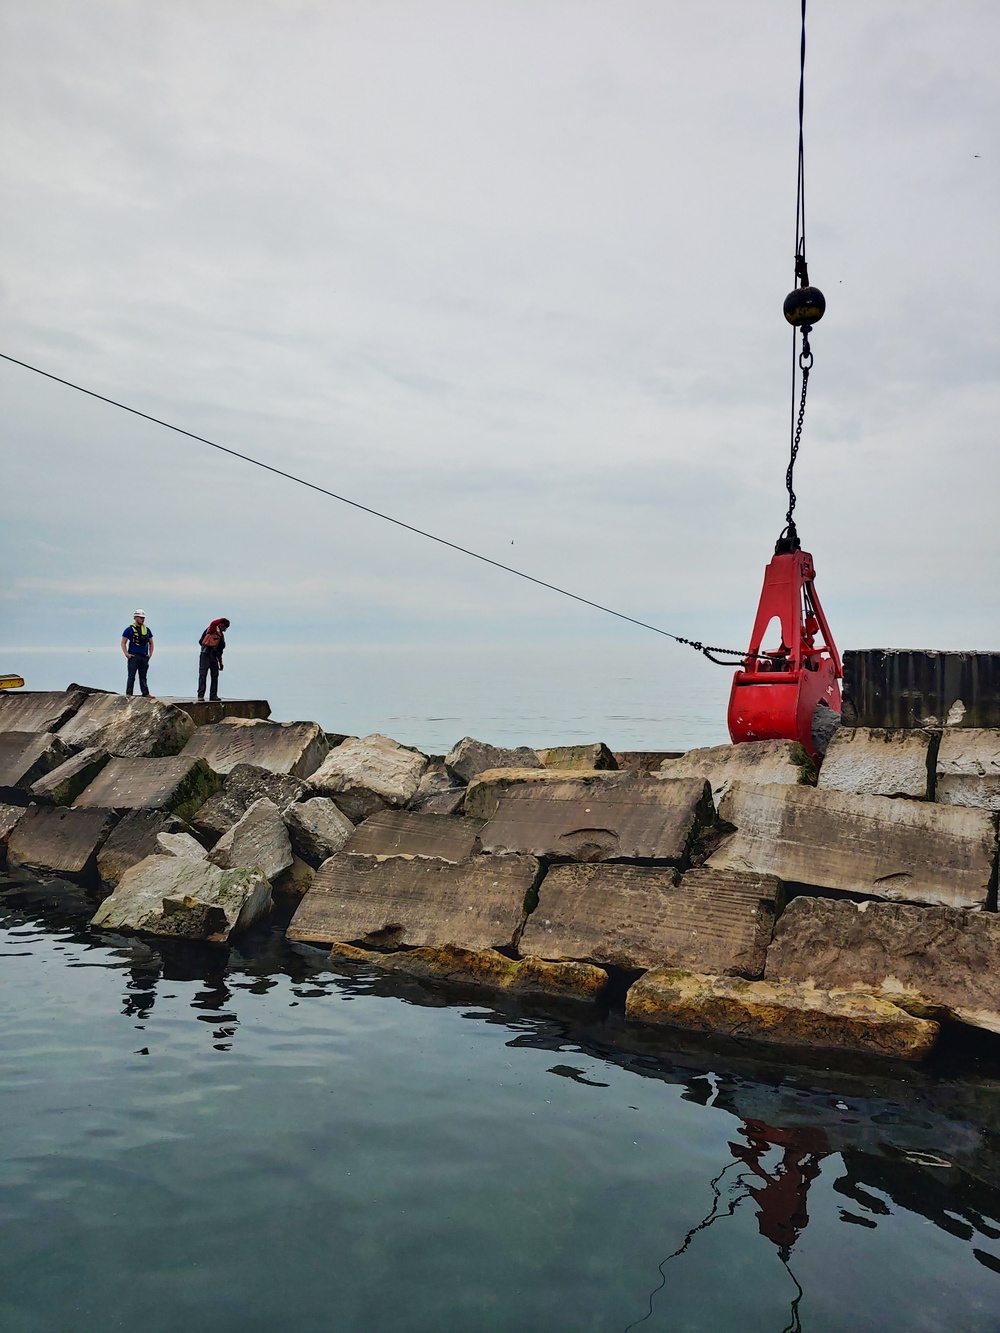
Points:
[805,305]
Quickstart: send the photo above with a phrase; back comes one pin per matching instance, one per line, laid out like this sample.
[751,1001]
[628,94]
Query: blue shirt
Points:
[138,646]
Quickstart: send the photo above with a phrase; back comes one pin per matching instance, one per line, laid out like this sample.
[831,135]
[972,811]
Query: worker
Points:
[213,645]
[137,645]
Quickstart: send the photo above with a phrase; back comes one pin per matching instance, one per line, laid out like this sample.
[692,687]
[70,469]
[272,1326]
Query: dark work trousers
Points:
[208,663]
[140,664]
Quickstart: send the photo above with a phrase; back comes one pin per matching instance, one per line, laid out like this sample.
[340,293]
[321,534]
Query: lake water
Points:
[248,1140]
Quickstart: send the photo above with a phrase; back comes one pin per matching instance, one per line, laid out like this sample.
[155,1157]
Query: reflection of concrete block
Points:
[297,748]
[908,851]
[63,842]
[751,761]
[64,784]
[171,895]
[968,767]
[135,728]
[645,916]
[26,756]
[408,833]
[177,784]
[879,762]
[369,773]
[479,903]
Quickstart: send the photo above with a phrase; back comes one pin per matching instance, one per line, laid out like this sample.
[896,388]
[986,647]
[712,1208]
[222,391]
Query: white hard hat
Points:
[139,613]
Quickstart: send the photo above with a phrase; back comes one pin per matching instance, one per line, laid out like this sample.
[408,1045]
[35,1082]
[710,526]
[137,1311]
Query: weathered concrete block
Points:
[644,761]
[409,833]
[63,842]
[134,728]
[245,784]
[297,748]
[879,762]
[483,793]
[968,767]
[786,1014]
[258,839]
[752,761]
[644,916]
[297,880]
[180,844]
[469,758]
[38,710]
[203,712]
[586,757]
[583,819]
[531,978]
[26,756]
[912,687]
[178,784]
[168,895]
[134,838]
[907,851]
[64,784]
[438,793]
[318,828]
[479,903]
[10,816]
[369,773]
[932,961]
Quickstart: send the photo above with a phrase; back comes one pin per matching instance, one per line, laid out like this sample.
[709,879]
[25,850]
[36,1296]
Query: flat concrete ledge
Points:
[203,712]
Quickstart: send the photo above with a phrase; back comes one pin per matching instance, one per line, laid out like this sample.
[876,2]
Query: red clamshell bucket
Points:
[776,694]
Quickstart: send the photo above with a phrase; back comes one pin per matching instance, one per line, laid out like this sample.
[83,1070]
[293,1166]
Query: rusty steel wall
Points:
[912,687]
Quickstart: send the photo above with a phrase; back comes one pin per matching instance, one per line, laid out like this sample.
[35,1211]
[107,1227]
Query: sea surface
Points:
[200,1139]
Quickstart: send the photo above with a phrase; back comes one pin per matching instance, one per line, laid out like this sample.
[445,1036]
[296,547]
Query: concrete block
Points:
[483,793]
[479,903]
[26,756]
[932,961]
[64,784]
[619,816]
[752,761]
[135,728]
[913,687]
[585,757]
[245,784]
[369,773]
[644,916]
[174,896]
[297,748]
[38,710]
[134,838]
[178,784]
[644,761]
[180,844]
[470,757]
[297,880]
[409,833]
[258,839]
[10,816]
[318,828]
[906,851]
[879,762]
[438,792]
[59,841]
[203,712]
[968,767]
[785,1014]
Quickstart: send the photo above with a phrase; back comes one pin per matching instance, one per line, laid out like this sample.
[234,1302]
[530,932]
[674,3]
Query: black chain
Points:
[805,361]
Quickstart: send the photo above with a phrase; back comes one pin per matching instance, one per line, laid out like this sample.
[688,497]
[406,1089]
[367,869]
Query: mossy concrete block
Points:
[968,767]
[369,773]
[412,833]
[26,756]
[752,761]
[900,850]
[787,1014]
[258,839]
[38,710]
[64,784]
[132,728]
[174,896]
[60,841]
[297,748]
[478,904]
[636,917]
[470,757]
[932,961]
[878,761]
[178,784]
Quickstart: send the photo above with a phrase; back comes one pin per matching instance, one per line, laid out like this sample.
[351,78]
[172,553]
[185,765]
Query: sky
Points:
[511,272]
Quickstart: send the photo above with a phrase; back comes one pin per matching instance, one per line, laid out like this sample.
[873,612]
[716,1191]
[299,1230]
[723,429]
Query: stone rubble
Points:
[244,784]
[135,728]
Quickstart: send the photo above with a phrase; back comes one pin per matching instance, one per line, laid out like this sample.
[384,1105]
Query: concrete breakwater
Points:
[731,891]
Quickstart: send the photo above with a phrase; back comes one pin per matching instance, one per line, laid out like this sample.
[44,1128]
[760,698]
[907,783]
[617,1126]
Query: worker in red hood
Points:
[213,645]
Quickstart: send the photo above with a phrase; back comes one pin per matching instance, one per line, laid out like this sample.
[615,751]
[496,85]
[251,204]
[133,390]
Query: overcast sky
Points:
[511,270]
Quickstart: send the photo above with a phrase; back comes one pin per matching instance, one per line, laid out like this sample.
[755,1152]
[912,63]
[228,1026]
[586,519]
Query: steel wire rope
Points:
[700,647]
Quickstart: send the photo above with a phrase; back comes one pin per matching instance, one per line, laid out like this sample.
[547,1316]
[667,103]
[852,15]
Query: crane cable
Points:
[707,650]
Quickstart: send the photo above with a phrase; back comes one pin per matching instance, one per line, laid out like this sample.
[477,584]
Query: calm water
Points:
[200,1140]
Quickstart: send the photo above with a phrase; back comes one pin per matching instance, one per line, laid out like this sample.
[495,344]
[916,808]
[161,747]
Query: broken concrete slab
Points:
[483,793]
[178,784]
[619,816]
[880,762]
[412,833]
[203,712]
[64,784]
[258,839]
[297,748]
[245,784]
[369,773]
[317,828]
[132,840]
[751,761]
[133,728]
[180,844]
[932,961]
[786,1014]
[38,710]
[59,841]
[26,756]
[171,895]
[968,767]
[645,916]
[531,978]
[470,757]
[479,903]
[585,757]
[905,851]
